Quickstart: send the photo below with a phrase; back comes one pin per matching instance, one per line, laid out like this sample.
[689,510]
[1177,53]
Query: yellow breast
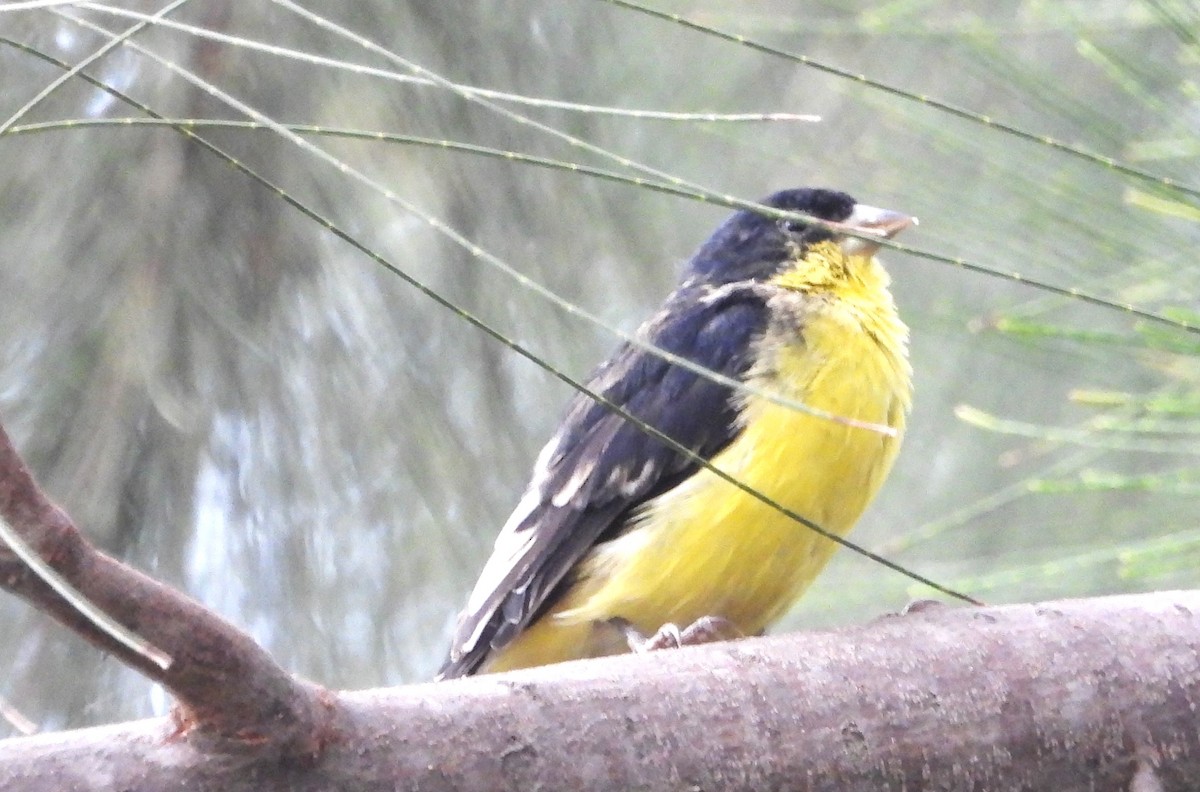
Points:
[708,548]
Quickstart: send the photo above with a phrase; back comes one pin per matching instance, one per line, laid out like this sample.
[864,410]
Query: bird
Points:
[620,538]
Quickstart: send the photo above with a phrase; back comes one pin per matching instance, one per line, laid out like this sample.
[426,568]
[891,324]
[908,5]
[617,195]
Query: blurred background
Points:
[231,397]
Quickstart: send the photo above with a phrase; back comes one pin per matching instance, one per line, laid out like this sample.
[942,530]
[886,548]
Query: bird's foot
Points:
[706,629]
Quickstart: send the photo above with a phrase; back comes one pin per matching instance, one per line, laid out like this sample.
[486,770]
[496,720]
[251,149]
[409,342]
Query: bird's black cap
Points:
[752,246]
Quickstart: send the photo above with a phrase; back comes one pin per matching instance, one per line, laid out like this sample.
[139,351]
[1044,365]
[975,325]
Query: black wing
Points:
[599,466]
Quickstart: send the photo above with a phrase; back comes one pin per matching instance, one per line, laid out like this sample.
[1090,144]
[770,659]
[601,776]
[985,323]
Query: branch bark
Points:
[1094,695]
[1098,695]
[228,689]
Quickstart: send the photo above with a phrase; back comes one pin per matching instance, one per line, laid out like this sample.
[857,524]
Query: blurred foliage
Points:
[226,394]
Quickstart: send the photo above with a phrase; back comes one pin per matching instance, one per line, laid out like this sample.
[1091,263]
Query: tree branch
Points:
[1074,695]
[228,689]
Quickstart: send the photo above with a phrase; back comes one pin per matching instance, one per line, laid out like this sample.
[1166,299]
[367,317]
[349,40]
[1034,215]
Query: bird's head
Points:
[752,246]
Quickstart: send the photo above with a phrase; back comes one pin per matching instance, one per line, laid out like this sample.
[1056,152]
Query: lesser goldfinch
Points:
[617,531]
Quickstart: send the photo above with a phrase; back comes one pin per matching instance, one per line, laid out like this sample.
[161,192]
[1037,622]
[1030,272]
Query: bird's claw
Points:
[706,629]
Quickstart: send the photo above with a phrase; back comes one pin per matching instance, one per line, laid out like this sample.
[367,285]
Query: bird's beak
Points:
[871,221]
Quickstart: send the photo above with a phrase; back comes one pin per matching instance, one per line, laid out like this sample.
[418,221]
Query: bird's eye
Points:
[791,226]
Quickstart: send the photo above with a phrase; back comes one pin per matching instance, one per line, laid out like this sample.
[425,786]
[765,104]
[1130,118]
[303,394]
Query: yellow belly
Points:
[707,548]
